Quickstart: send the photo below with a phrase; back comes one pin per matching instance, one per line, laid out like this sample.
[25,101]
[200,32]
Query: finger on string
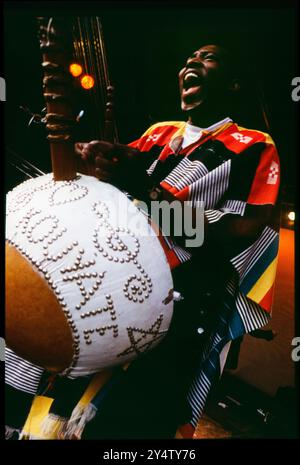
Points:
[102,148]
[86,154]
[91,150]
[78,148]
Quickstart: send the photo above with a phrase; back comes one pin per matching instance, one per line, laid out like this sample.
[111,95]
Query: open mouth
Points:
[191,85]
[191,79]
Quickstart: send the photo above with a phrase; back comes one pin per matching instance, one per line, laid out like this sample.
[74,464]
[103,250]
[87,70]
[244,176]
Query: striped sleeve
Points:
[21,374]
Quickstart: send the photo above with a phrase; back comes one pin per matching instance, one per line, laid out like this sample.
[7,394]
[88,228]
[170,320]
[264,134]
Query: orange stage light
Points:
[75,69]
[87,81]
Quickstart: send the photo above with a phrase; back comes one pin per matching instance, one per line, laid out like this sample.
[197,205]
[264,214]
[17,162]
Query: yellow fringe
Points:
[42,425]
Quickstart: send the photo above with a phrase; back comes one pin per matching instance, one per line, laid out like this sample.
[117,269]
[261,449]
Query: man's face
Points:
[203,77]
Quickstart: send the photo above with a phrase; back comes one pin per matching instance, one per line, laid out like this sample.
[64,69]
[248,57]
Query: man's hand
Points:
[103,155]
[118,164]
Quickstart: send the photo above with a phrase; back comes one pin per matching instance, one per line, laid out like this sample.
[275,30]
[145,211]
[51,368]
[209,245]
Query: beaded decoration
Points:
[103,262]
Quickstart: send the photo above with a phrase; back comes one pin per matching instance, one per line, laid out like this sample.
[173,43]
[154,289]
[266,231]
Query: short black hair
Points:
[237,61]
[238,51]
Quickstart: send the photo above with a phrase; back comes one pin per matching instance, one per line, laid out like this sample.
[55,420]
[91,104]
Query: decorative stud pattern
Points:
[19,197]
[101,331]
[63,192]
[76,273]
[142,288]
[145,338]
[138,288]
[104,255]
[112,246]
[108,309]
[101,210]
[31,222]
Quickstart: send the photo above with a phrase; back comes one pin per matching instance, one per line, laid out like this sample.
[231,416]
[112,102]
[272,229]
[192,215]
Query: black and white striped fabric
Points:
[247,259]
[21,374]
[211,188]
[236,207]
[185,173]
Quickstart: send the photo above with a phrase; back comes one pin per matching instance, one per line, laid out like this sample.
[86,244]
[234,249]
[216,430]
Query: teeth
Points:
[189,75]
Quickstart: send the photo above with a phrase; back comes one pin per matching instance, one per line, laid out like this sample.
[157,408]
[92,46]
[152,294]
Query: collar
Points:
[175,144]
[211,128]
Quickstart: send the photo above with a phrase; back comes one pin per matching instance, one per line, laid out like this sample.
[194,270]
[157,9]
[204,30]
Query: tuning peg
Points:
[34,117]
[110,93]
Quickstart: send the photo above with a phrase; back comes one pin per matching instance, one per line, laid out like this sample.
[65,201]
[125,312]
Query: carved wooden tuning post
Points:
[55,37]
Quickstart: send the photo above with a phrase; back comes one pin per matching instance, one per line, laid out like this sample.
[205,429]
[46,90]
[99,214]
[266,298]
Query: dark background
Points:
[146,46]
